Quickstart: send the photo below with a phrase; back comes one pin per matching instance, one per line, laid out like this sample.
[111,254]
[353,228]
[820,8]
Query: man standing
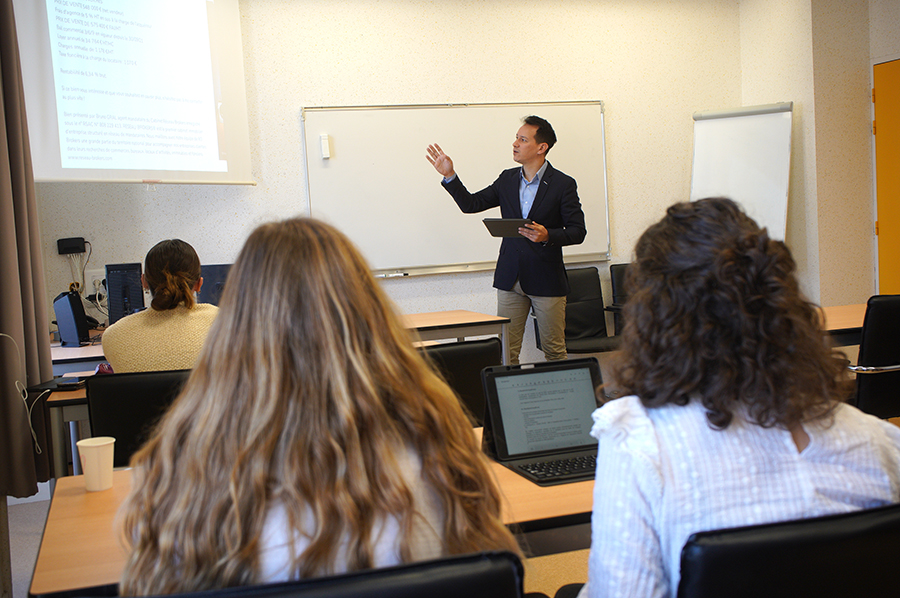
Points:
[530,271]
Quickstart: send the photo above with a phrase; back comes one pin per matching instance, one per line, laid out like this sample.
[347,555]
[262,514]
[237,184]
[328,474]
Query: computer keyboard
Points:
[572,466]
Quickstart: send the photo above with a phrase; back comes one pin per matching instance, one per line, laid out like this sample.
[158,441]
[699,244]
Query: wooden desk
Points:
[61,354]
[844,323]
[80,549]
[436,325]
[533,506]
[70,359]
[65,407]
[71,406]
[459,324]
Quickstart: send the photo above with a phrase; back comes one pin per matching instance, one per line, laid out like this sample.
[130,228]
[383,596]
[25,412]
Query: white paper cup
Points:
[96,456]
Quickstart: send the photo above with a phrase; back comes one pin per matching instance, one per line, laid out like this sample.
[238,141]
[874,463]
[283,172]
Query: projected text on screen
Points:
[135,87]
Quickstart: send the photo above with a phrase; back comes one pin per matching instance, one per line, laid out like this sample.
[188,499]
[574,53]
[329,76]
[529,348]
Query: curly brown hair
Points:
[714,312]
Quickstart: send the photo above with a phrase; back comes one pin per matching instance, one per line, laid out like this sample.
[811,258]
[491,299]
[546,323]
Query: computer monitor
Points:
[126,295]
[214,276]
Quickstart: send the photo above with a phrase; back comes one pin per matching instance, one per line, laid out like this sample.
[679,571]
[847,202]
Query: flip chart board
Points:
[745,154]
[368,175]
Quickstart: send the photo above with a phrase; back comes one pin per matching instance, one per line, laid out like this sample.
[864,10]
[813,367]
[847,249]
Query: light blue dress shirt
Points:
[528,189]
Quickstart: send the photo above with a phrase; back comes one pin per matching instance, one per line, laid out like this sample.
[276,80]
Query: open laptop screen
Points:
[544,409]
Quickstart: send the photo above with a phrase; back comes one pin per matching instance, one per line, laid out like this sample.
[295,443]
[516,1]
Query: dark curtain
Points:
[24,319]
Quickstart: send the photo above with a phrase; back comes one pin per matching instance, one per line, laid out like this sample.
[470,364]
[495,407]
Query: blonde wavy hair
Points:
[307,385]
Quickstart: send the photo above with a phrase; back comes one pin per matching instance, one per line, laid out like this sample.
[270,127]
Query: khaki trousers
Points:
[551,319]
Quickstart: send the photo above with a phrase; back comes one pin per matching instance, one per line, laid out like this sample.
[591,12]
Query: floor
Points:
[546,574]
[26,524]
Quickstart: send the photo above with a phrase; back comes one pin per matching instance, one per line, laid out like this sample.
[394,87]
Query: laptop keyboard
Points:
[572,466]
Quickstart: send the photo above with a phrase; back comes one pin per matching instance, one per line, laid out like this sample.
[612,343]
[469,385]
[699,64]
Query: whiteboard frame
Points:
[472,266]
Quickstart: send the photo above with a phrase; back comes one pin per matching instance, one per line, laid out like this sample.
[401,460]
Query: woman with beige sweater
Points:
[170,334]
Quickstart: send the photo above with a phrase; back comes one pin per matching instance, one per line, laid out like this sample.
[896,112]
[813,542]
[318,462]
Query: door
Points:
[887,174]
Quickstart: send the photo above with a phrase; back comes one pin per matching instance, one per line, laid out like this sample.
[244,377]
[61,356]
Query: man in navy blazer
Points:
[530,271]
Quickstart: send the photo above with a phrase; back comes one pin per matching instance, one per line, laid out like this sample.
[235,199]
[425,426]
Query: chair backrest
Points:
[879,345]
[584,304]
[585,316]
[461,364]
[127,406]
[479,575]
[852,554]
[617,282]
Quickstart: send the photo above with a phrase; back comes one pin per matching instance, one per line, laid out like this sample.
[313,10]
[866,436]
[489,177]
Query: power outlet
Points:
[93,280]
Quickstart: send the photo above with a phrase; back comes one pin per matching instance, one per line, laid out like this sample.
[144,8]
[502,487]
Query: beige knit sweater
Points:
[154,340]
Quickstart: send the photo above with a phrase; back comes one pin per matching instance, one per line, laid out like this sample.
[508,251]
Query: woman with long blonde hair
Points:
[310,439]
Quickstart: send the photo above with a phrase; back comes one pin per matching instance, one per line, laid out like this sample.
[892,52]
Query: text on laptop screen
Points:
[546,410]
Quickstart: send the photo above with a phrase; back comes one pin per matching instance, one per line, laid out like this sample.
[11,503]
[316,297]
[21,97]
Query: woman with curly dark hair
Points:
[735,415]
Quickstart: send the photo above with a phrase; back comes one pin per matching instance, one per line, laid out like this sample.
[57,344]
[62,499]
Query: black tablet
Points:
[505,227]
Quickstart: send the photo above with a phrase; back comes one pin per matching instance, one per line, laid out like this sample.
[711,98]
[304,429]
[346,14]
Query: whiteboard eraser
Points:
[326,146]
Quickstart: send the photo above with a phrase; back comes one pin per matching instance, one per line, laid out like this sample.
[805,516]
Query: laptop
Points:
[538,419]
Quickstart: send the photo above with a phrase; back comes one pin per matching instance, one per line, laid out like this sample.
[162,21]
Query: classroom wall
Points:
[843,154]
[777,65]
[817,54]
[653,63]
[884,35]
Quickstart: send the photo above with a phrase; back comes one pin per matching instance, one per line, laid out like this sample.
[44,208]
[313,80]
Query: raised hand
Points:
[441,161]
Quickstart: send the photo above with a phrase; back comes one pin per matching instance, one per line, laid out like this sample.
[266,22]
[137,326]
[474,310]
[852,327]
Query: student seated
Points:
[311,438]
[170,334]
[735,416]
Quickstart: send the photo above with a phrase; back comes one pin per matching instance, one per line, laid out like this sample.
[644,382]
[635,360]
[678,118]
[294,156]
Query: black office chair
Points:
[585,315]
[127,406]
[852,554]
[461,364]
[617,282]
[478,575]
[878,365]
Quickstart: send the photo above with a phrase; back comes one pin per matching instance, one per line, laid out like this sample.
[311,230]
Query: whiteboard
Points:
[745,154]
[377,186]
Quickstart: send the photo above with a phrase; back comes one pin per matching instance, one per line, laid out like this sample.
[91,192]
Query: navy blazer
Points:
[537,266]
